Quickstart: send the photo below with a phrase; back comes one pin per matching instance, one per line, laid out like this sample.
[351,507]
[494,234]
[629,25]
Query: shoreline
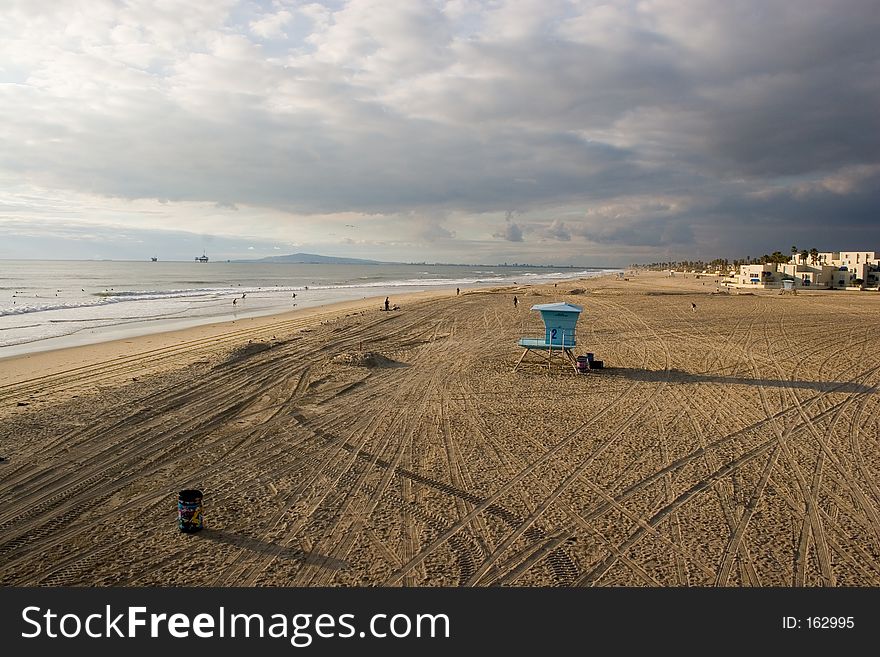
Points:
[17,367]
[48,310]
[214,336]
[49,331]
[148,326]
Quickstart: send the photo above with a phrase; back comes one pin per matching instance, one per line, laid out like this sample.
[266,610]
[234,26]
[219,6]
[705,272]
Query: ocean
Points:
[52,304]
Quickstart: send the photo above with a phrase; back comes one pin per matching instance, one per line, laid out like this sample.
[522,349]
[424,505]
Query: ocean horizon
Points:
[48,304]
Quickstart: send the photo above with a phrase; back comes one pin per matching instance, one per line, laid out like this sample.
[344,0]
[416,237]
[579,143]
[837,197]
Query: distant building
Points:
[829,270]
[853,268]
[805,275]
[757,276]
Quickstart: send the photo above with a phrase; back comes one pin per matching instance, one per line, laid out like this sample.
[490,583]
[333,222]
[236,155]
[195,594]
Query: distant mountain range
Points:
[314,259]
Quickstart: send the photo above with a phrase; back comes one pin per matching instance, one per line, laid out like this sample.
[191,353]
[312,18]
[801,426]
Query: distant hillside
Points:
[313,259]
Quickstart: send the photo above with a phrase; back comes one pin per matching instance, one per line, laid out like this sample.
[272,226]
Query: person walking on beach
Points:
[694,307]
[457,291]
[234,301]
[515,302]
[386,303]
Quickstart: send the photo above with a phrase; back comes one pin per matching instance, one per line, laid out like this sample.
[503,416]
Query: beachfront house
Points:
[857,257]
[852,269]
[839,270]
[758,276]
[863,267]
[806,275]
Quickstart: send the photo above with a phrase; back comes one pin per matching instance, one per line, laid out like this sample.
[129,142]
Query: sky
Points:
[540,131]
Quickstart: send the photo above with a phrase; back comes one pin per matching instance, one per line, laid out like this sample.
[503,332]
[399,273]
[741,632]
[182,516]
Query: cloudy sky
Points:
[457,131]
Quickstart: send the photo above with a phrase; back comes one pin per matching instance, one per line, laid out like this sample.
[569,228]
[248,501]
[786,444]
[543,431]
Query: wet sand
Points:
[737,444]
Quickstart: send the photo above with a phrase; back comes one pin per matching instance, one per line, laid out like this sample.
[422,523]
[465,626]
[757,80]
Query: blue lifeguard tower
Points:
[560,321]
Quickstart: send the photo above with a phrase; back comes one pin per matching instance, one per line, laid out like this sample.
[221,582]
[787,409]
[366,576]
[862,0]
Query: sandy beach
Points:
[737,444]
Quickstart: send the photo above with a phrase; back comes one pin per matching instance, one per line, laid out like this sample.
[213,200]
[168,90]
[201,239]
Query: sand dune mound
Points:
[364,359]
[245,352]
[252,348]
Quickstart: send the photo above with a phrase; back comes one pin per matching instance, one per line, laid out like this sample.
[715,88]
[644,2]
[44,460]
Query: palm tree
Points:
[804,255]
[814,255]
[793,253]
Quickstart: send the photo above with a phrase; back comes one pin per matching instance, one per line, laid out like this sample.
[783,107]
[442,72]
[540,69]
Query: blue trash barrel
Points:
[190,517]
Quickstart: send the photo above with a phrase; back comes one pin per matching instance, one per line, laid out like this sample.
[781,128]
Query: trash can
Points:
[189,511]
[583,364]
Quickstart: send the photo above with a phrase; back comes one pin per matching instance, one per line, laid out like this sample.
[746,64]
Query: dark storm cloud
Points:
[800,124]
[659,232]
[511,231]
[838,215]
[558,231]
[784,88]
[811,204]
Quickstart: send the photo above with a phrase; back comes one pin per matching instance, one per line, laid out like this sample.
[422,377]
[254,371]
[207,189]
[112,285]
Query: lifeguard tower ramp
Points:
[560,322]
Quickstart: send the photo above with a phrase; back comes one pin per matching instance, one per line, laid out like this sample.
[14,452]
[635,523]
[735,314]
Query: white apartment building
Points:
[858,257]
[832,269]
[758,276]
[853,268]
[807,275]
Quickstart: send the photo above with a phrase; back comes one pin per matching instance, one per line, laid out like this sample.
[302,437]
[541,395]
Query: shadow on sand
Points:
[679,376]
[262,547]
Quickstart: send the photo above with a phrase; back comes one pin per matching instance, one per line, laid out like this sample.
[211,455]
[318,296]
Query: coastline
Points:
[356,447]
[60,304]
[206,337]
[61,354]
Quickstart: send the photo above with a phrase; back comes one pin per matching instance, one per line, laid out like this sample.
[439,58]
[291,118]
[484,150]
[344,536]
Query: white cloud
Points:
[271,26]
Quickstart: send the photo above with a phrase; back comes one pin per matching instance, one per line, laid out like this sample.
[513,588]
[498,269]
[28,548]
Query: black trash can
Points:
[583,364]
[190,517]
